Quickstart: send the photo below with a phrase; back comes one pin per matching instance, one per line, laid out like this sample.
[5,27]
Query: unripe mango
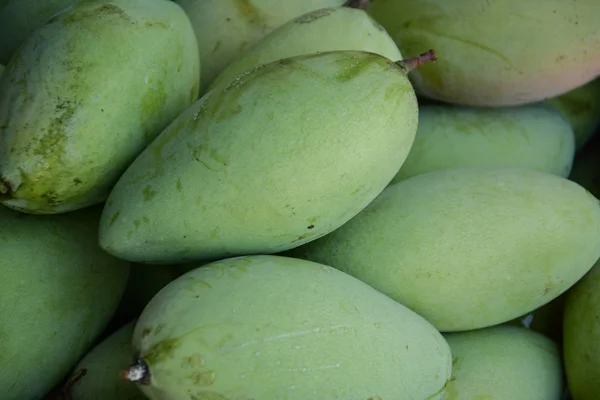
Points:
[58,292]
[276,158]
[504,362]
[327,29]
[85,94]
[497,53]
[468,248]
[271,327]
[529,137]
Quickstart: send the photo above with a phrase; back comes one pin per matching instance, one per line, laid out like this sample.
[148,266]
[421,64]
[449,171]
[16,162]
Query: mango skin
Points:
[259,166]
[226,28]
[513,239]
[581,327]
[529,137]
[483,59]
[97,100]
[504,362]
[327,29]
[271,327]
[58,292]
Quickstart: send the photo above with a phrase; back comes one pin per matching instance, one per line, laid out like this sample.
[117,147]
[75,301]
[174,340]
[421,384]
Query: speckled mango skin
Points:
[103,365]
[282,155]
[496,53]
[227,28]
[58,292]
[504,362]
[528,137]
[271,327]
[468,248]
[581,327]
[327,29]
[78,102]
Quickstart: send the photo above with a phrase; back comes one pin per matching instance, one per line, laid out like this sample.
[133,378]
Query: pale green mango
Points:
[85,94]
[98,375]
[581,331]
[327,29]
[275,159]
[502,363]
[582,108]
[527,137]
[226,28]
[497,53]
[58,292]
[270,327]
[586,167]
[20,18]
[468,248]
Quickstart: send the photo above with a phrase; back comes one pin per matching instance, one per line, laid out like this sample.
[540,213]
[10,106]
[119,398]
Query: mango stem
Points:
[409,64]
[359,4]
[137,373]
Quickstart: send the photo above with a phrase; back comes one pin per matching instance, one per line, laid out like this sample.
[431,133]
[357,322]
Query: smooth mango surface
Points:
[78,102]
[275,159]
[512,239]
[270,327]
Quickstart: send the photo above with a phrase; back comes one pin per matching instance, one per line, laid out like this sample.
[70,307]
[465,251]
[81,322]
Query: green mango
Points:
[271,327]
[468,248]
[102,79]
[273,160]
[20,18]
[504,362]
[582,108]
[58,292]
[586,167]
[226,28]
[497,53]
[529,137]
[327,29]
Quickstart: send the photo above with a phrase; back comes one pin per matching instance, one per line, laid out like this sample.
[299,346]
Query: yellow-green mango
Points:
[468,248]
[57,294]
[586,167]
[85,94]
[326,29]
[273,160]
[582,108]
[20,18]
[227,28]
[502,363]
[497,53]
[98,375]
[271,327]
[530,137]
[581,332]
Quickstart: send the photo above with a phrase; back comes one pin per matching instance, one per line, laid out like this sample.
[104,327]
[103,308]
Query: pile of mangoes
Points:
[299,199]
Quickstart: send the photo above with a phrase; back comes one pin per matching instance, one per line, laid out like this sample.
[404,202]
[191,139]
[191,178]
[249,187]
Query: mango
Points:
[504,362]
[78,102]
[271,327]
[586,167]
[326,29]
[58,292]
[497,53]
[468,248]
[226,28]
[529,137]
[581,330]
[272,160]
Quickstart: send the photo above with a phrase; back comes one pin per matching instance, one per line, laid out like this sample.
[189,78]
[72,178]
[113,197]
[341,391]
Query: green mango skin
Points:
[78,103]
[227,28]
[527,137]
[513,239]
[504,362]
[271,327]
[483,59]
[58,292]
[276,159]
[586,167]
[581,330]
[327,29]
[20,18]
